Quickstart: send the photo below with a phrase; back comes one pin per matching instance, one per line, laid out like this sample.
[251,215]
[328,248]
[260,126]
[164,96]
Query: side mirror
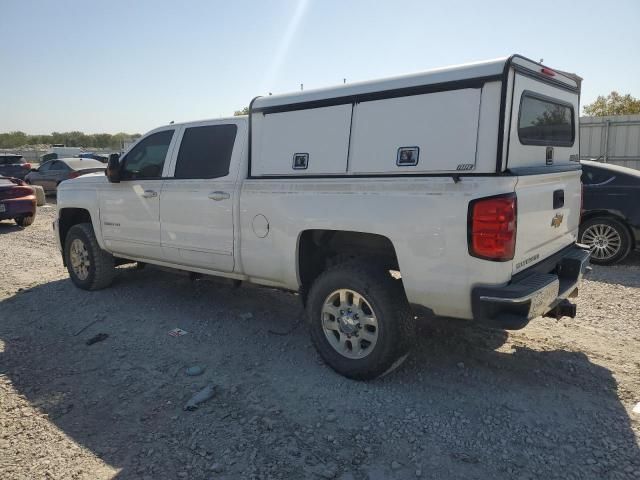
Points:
[34,169]
[113,168]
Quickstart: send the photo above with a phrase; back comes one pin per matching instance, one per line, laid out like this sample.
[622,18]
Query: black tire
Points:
[101,266]
[25,221]
[603,224]
[395,330]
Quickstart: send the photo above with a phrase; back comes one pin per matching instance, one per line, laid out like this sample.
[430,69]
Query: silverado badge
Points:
[557,220]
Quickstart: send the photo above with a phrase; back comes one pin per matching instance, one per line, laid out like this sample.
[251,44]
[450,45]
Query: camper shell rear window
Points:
[545,121]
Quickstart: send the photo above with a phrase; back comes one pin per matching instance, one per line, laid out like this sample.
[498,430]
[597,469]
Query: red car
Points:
[17,201]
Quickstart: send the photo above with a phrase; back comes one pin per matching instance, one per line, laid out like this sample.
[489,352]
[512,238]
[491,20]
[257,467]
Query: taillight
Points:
[548,71]
[492,227]
[74,174]
[27,166]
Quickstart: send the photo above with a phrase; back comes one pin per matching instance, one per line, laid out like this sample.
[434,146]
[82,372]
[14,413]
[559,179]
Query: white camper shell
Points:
[437,122]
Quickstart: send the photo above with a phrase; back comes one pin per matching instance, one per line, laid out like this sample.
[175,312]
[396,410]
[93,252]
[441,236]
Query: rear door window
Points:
[58,166]
[545,121]
[205,152]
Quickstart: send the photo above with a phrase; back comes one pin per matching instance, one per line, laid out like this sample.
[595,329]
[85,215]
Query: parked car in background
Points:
[17,201]
[12,165]
[610,222]
[50,174]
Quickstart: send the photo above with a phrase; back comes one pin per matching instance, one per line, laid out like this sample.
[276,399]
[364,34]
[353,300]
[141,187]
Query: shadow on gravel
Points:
[633,259]
[626,273]
[465,405]
[9,226]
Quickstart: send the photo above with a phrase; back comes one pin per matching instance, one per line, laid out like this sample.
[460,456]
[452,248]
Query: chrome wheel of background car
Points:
[79,256]
[349,323]
[604,240]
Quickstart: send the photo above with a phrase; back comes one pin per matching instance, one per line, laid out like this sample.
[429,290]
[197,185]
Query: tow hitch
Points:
[564,309]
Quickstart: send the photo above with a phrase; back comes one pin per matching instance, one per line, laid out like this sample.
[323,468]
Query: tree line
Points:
[69,139]
[613,104]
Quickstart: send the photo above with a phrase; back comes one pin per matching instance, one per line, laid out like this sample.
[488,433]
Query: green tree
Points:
[244,111]
[13,139]
[613,104]
[101,140]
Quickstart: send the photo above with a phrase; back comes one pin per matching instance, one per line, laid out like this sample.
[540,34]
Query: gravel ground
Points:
[551,401]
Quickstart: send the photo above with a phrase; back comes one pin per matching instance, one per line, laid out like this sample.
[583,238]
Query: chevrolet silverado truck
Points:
[455,190]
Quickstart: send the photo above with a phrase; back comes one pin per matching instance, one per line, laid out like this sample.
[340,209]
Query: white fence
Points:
[611,139]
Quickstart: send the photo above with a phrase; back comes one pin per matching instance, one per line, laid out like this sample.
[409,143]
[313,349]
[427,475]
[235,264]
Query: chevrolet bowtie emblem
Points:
[557,220]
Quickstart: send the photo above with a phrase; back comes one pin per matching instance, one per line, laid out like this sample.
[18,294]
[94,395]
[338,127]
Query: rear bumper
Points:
[533,293]
[16,207]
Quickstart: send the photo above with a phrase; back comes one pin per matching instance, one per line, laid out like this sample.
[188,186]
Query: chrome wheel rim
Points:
[349,323]
[79,257]
[604,240]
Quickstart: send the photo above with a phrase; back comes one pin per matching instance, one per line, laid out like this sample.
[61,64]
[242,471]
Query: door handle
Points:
[149,194]
[217,196]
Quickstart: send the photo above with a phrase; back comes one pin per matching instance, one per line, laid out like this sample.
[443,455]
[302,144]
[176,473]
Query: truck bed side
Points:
[424,218]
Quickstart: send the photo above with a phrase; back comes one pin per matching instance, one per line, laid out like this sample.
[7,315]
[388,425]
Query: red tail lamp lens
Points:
[492,227]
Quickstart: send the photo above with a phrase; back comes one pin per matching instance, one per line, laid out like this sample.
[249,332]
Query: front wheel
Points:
[360,320]
[89,267]
[608,238]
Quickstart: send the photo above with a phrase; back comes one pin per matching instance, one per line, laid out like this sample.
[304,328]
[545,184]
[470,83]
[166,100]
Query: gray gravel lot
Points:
[551,401]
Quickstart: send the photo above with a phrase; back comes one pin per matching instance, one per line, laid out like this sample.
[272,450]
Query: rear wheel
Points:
[360,320]
[608,238]
[25,221]
[89,267]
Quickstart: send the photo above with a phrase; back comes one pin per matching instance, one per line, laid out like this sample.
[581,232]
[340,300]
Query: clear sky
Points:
[110,66]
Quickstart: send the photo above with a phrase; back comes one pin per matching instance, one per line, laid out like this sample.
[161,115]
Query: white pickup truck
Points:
[457,190]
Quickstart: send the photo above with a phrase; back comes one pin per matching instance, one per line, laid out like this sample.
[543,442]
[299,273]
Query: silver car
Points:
[51,173]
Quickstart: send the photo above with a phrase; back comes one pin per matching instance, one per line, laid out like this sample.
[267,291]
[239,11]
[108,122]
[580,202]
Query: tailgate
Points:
[548,215]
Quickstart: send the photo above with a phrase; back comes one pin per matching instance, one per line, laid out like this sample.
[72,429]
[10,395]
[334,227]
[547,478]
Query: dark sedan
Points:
[51,173]
[12,165]
[17,201]
[611,211]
